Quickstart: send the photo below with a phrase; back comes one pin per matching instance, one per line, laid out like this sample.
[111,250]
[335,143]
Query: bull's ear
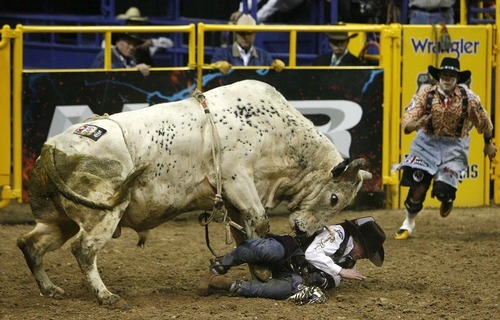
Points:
[340,168]
[351,172]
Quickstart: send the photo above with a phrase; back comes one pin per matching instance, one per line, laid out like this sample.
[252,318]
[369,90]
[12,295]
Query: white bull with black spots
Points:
[141,168]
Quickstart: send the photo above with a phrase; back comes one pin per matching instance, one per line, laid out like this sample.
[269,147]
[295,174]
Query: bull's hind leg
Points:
[93,236]
[49,234]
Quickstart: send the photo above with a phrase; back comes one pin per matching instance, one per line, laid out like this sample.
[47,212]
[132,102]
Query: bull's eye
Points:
[334,199]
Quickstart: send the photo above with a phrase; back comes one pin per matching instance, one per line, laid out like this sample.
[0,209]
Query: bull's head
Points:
[329,196]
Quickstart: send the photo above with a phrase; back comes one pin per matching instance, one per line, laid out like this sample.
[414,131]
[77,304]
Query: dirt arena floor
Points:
[449,269]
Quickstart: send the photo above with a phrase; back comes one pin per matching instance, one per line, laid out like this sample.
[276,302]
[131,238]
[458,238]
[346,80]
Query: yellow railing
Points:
[6,136]
[12,156]
[293,30]
[109,30]
[390,60]
[496,120]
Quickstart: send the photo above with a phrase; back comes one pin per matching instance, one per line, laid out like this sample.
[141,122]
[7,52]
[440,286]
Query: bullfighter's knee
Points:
[443,191]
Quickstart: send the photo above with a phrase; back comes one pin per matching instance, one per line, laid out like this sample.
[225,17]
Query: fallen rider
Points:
[301,267]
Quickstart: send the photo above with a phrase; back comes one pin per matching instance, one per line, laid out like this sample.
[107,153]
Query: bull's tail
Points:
[48,162]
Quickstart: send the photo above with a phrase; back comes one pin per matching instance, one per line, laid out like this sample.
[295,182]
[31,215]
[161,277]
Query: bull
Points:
[141,168]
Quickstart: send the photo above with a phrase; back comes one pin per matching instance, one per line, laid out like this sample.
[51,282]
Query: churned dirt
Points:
[447,270]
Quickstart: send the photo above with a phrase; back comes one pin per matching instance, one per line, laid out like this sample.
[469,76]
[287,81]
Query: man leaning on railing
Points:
[243,52]
[123,53]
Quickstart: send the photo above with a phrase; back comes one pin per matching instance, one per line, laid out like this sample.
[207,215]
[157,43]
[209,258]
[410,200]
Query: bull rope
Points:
[219,213]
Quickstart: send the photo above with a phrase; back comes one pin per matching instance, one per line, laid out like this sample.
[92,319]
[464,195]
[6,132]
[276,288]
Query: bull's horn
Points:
[365,175]
[340,168]
[351,172]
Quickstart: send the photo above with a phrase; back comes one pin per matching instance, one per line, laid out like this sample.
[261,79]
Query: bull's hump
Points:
[251,115]
[253,104]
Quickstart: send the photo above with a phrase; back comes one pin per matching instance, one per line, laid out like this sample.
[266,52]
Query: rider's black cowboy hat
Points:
[371,237]
[451,64]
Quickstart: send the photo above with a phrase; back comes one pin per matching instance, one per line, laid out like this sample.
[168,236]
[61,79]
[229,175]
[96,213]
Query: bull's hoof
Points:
[53,292]
[261,273]
[204,284]
[114,302]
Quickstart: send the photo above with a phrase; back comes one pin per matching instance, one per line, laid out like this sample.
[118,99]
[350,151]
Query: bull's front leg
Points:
[256,224]
[258,272]
[251,214]
[240,190]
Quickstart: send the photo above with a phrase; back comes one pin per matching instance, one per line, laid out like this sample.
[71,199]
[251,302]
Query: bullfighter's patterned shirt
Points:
[446,112]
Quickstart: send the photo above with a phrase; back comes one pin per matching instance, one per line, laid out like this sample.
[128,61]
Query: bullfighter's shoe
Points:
[407,227]
[402,234]
[445,208]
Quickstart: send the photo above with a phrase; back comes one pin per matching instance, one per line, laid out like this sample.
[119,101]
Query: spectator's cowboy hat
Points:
[134,39]
[340,36]
[371,237]
[451,64]
[132,14]
[246,20]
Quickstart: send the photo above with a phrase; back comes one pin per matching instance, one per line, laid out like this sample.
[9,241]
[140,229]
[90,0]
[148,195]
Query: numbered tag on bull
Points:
[90,131]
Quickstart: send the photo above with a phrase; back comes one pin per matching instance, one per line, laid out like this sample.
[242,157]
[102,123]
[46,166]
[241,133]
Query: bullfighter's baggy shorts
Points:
[445,158]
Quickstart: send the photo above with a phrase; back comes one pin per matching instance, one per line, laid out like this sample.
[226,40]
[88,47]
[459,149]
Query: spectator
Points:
[123,53]
[268,10]
[359,11]
[320,261]
[442,115]
[431,12]
[340,55]
[146,50]
[243,52]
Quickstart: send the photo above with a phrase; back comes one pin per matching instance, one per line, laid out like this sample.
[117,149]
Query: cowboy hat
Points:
[371,237]
[451,64]
[126,36]
[246,20]
[340,35]
[132,14]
